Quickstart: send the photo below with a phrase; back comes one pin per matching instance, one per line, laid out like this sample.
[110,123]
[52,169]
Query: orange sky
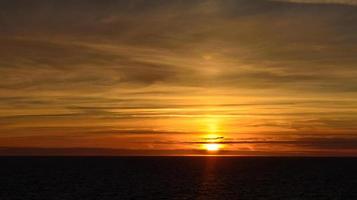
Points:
[169,77]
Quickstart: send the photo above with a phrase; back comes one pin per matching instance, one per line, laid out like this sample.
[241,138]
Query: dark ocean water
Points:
[177,178]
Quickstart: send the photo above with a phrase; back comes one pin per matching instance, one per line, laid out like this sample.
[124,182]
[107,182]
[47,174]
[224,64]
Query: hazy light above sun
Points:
[212,137]
[212,147]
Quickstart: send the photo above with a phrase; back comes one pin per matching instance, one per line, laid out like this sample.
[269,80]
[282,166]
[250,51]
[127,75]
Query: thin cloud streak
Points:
[346,2]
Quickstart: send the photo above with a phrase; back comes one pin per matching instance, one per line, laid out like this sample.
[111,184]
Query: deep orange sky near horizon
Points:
[254,77]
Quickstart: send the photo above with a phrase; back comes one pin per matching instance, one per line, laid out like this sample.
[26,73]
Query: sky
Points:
[171,77]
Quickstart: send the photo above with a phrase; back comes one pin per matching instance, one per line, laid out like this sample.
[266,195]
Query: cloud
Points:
[347,2]
[120,49]
[332,143]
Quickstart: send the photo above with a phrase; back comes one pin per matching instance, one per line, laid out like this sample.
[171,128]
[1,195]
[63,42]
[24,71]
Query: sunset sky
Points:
[172,77]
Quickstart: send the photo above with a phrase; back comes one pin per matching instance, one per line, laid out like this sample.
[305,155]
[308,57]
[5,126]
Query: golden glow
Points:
[212,146]
[212,125]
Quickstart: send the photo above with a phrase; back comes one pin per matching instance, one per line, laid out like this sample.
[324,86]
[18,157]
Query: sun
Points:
[212,147]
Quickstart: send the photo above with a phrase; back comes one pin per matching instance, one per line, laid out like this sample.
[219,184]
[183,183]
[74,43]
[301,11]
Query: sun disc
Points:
[212,147]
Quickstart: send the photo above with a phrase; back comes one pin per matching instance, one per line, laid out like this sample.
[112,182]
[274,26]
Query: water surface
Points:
[111,178]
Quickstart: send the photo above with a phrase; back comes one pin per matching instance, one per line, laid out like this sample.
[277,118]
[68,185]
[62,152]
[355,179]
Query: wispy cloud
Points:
[347,2]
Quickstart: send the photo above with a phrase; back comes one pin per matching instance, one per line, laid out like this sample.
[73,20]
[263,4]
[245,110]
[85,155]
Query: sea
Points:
[241,178]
